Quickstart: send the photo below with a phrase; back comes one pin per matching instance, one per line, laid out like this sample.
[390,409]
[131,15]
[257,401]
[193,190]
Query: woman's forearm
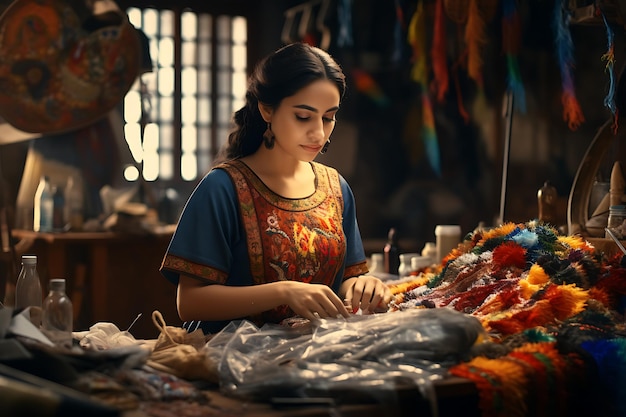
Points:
[220,302]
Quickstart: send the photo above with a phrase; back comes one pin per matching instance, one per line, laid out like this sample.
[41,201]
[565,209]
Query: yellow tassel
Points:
[417,39]
[475,38]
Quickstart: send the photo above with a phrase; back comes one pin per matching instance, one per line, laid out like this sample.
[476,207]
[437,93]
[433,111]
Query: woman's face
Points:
[302,123]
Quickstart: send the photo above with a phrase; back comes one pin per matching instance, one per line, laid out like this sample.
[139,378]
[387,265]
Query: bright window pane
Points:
[189,110]
[132,132]
[189,26]
[166,138]
[204,27]
[188,54]
[167,23]
[132,107]
[239,57]
[189,82]
[189,139]
[240,30]
[166,109]
[156,152]
[150,24]
[204,110]
[166,81]
[167,166]
[151,167]
[189,166]
[151,139]
[166,52]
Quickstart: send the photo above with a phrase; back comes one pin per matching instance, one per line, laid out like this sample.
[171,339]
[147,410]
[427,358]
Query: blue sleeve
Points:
[355,253]
[208,227]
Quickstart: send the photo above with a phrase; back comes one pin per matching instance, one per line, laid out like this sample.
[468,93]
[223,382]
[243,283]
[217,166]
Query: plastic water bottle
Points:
[58,316]
[28,291]
[44,206]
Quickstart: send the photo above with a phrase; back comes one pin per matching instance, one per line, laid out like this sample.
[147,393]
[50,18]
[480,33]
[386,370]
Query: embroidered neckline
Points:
[284,203]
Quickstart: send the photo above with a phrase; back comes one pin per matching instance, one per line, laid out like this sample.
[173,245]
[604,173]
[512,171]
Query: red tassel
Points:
[572,113]
[439,54]
[475,38]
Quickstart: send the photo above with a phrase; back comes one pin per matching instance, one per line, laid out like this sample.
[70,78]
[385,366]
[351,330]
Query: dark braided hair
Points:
[279,75]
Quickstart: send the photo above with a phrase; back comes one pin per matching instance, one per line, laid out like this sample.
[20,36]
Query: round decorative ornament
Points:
[64,64]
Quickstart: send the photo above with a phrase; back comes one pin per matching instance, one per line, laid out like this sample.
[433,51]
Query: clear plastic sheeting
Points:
[368,353]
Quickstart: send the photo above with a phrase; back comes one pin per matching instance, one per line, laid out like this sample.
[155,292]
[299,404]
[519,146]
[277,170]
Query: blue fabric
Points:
[210,233]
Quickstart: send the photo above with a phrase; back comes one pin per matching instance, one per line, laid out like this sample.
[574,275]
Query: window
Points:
[177,116]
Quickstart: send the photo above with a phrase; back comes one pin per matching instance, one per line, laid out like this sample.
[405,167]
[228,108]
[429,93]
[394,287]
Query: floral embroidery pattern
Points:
[298,239]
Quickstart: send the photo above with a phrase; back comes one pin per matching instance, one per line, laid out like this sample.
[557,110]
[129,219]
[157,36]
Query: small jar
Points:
[430,251]
[617,215]
[419,263]
[405,264]
[377,263]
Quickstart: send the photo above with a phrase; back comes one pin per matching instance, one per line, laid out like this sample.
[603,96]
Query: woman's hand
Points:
[313,301]
[366,292]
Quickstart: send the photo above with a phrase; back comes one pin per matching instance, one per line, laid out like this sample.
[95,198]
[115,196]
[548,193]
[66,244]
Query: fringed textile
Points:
[531,380]
[438,53]
[475,38]
[419,73]
[512,278]
[572,113]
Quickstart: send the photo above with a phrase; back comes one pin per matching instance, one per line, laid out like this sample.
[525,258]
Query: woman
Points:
[270,234]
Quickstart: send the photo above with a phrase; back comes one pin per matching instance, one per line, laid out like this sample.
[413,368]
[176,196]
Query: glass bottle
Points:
[430,251]
[391,253]
[43,206]
[57,320]
[546,200]
[405,267]
[28,291]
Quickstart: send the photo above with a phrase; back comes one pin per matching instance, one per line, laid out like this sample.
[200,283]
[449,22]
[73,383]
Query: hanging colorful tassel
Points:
[367,85]
[398,34]
[511,44]
[344,16]
[572,113]
[419,73]
[438,53]
[609,57]
[475,38]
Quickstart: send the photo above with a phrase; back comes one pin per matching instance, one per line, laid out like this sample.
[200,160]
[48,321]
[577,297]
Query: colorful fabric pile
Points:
[552,307]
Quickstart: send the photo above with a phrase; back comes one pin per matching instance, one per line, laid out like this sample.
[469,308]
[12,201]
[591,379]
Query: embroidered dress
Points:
[235,231]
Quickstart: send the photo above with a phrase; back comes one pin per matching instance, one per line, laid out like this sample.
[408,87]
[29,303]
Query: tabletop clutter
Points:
[533,318]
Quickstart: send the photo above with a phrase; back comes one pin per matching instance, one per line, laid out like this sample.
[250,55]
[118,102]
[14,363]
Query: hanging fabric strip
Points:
[438,53]
[572,113]
[609,57]
[511,31]
[419,73]
[475,38]
[344,14]
[398,31]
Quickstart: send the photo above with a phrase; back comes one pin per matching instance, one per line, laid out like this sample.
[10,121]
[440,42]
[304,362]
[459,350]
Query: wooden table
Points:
[110,276]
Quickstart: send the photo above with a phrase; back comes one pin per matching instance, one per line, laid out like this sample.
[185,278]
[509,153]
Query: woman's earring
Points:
[268,137]
[325,148]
